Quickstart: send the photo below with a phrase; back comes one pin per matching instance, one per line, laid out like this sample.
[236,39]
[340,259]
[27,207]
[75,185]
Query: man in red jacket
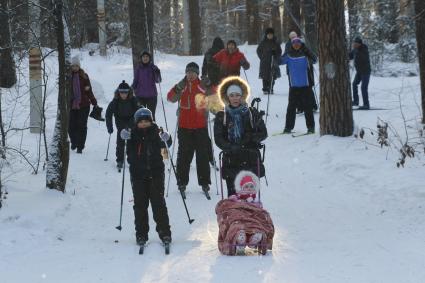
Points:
[192,132]
[230,60]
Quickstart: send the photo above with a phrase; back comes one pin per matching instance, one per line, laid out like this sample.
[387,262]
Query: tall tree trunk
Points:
[138,29]
[353,18]
[293,9]
[276,20]
[195,27]
[149,25]
[420,41]
[101,17]
[7,64]
[336,116]
[386,11]
[252,13]
[57,165]
[176,31]
[309,13]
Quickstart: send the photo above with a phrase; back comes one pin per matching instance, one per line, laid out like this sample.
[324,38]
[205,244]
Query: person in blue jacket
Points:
[299,60]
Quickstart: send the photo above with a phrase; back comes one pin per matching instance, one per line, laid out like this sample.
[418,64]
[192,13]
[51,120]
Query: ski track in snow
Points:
[343,212]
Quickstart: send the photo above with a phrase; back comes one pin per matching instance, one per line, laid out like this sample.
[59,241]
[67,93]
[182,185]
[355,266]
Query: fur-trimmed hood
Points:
[222,89]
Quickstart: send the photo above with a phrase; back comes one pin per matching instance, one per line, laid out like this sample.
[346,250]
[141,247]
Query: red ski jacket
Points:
[230,64]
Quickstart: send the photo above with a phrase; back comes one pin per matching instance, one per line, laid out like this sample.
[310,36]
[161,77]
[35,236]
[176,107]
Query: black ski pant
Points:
[267,84]
[313,100]
[119,151]
[193,141]
[148,102]
[150,188]
[299,97]
[77,129]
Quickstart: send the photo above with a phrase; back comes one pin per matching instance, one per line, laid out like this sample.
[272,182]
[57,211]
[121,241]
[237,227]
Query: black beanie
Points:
[192,67]
[358,40]
[269,30]
[232,41]
[123,87]
[145,52]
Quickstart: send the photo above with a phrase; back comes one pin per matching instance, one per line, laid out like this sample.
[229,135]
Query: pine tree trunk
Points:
[309,13]
[57,165]
[138,30]
[176,31]
[276,20]
[336,116]
[149,25]
[7,64]
[293,9]
[252,13]
[353,18]
[195,27]
[420,41]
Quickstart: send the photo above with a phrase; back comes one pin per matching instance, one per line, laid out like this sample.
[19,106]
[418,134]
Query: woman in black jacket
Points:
[238,131]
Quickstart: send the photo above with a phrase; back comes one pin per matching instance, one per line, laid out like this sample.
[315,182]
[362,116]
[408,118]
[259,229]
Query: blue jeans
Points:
[364,79]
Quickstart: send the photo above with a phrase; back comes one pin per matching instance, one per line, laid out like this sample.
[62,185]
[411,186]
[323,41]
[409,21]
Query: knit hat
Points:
[123,87]
[246,184]
[296,40]
[234,89]
[192,67]
[145,52]
[293,34]
[269,31]
[143,114]
[75,61]
[231,42]
[358,40]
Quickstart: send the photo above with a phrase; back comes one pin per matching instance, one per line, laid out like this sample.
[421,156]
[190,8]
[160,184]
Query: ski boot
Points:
[206,190]
[119,165]
[182,190]
[166,241]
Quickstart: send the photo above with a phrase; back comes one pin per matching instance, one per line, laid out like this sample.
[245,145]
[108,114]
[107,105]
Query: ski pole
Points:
[212,148]
[107,150]
[271,84]
[122,187]
[171,156]
[220,160]
[163,108]
[246,77]
[181,194]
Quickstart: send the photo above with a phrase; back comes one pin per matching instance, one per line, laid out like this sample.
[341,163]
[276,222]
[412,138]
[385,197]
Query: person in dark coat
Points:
[145,77]
[298,61]
[230,60]
[192,129]
[238,131]
[209,67]
[144,143]
[360,55]
[81,98]
[122,107]
[269,48]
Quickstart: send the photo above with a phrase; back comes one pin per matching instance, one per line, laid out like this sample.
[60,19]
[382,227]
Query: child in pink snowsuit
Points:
[242,220]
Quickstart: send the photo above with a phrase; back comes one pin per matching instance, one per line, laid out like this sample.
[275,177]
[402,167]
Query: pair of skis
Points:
[166,246]
[206,193]
[293,134]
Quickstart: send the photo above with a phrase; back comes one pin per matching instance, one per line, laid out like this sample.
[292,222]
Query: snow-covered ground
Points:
[343,211]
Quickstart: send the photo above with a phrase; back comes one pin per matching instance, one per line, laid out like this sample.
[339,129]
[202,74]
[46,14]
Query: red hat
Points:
[243,179]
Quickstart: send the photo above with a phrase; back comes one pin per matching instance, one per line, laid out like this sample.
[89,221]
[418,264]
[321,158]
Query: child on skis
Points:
[144,143]
[122,107]
[242,220]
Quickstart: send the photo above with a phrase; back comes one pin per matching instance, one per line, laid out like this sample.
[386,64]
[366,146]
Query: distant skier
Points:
[122,108]
[242,221]
[360,55]
[238,131]
[192,129]
[269,48]
[299,62]
[145,77]
[209,68]
[144,143]
[230,60]
[81,98]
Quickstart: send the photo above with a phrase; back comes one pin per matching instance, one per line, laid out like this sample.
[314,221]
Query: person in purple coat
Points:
[145,77]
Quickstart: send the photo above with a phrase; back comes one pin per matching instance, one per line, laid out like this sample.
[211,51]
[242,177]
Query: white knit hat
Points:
[75,61]
[234,89]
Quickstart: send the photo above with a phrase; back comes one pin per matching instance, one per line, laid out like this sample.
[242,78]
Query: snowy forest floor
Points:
[342,210]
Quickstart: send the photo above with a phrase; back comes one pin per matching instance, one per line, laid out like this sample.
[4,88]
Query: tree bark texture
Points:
[7,64]
[353,18]
[309,13]
[336,116]
[293,9]
[195,27]
[138,29]
[420,41]
[57,165]
[252,13]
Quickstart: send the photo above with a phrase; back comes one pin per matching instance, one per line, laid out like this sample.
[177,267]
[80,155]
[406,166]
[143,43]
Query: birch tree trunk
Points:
[336,115]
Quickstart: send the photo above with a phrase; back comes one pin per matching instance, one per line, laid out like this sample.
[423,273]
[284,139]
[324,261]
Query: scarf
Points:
[76,91]
[235,128]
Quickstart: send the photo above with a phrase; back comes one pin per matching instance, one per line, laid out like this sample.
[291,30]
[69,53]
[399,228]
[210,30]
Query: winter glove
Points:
[180,85]
[242,62]
[164,136]
[125,134]
[110,130]
[157,74]
[205,81]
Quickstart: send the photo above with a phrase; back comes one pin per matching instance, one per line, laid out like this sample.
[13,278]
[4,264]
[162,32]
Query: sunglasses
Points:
[234,94]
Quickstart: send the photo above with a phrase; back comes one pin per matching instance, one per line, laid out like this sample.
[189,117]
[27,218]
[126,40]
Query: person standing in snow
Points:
[122,107]
[230,60]
[144,143]
[298,61]
[238,131]
[269,48]
[81,98]
[192,129]
[360,55]
[209,67]
[145,77]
